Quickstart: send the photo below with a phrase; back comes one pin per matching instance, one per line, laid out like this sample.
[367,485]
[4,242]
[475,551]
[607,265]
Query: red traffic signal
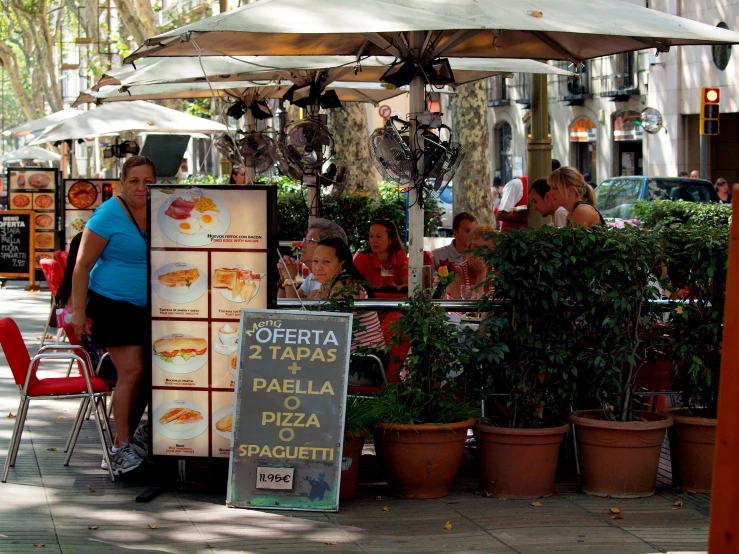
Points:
[710,111]
[711,95]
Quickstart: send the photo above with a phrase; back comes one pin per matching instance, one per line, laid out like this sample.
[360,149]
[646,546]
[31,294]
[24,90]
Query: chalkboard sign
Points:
[16,246]
[289,412]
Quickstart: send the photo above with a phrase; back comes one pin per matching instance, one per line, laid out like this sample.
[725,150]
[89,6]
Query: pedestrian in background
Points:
[723,191]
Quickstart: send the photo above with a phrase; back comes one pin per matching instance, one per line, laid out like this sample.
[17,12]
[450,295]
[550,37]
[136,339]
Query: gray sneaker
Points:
[126,459]
[142,448]
[142,432]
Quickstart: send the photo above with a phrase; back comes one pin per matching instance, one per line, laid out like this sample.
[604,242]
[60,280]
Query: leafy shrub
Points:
[659,212]
[352,211]
[696,258]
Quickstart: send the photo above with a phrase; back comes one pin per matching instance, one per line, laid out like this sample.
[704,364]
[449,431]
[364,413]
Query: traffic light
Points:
[710,98]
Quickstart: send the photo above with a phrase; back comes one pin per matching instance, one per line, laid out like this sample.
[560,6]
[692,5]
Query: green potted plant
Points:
[528,381]
[696,263]
[619,445]
[423,419]
[360,415]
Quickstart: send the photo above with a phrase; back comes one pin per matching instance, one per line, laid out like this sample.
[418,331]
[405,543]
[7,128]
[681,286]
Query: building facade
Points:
[594,116]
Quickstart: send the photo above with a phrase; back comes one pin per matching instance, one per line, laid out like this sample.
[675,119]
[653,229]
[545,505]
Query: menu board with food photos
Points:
[16,246]
[35,189]
[81,198]
[213,252]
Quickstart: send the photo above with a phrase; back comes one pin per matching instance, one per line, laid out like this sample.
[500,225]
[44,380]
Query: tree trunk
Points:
[472,183]
[137,18]
[348,125]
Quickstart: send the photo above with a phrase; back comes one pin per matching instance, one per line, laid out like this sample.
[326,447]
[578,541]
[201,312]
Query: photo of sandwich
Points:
[180,416]
[179,282]
[183,347]
[223,422]
[238,283]
[180,353]
[180,419]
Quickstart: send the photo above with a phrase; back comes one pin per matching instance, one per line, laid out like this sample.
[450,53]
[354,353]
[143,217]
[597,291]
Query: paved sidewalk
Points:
[46,507]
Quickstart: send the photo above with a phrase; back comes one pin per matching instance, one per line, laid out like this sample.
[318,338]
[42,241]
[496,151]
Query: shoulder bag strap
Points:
[144,236]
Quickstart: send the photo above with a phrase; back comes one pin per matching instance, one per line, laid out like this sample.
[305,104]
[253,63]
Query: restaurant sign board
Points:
[16,244]
[289,410]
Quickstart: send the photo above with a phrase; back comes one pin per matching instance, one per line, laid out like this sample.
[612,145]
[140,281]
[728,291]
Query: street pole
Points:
[704,157]
[539,145]
[249,126]
[415,211]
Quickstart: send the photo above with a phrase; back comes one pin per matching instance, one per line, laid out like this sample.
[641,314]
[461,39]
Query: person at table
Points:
[109,285]
[384,263]
[546,202]
[319,229]
[577,197]
[473,272]
[462,224]
[238,175]
[334,269]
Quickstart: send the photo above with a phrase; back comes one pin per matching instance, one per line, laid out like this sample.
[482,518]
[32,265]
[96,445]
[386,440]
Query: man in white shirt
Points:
[514,194]
[546,201]
[461,226]
[320,229]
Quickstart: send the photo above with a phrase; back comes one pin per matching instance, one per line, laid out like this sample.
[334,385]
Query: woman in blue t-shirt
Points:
[109,287]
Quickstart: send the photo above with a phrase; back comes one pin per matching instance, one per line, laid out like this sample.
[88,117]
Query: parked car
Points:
[616,196]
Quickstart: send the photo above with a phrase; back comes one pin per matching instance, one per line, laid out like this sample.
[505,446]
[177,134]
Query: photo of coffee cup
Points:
[228,334]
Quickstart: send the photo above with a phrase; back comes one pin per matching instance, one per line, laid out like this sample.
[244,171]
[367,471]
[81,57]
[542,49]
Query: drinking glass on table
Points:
[387,277]
[467,292]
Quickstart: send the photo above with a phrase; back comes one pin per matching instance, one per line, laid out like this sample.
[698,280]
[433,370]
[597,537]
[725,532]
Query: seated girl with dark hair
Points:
[334,269]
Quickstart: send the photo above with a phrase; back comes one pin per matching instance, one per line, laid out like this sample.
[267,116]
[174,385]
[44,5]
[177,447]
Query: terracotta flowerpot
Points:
[518,463]
[619,459]
[421,461]
[353,444]
[692,440]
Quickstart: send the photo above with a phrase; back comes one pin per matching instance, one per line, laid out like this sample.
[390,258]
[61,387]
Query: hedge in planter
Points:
[619,445]
[423,419]
[352,211]
[531,388]
[696,261]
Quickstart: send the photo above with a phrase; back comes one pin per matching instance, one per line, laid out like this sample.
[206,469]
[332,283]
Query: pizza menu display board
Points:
[213,252]
[81,198]
[35,189]
[290,399]
[16,246]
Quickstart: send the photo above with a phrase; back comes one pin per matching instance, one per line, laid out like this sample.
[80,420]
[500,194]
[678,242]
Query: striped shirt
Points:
[369,333]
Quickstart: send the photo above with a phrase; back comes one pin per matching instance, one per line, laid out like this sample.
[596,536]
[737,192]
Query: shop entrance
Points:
[627,138]
[583,146]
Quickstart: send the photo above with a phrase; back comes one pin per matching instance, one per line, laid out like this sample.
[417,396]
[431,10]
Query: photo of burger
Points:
[180,353]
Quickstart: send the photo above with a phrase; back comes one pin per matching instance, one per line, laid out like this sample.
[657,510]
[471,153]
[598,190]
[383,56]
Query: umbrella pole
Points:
[250,125]
[415,211]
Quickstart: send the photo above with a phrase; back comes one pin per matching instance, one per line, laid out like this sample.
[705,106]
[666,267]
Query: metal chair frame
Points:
[90,398]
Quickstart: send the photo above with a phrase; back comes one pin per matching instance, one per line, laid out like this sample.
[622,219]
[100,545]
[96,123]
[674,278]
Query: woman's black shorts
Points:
[117,323]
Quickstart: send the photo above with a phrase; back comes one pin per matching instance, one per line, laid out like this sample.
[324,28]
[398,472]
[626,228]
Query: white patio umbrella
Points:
[373,93]
[133,116]
[531,29]
[338,68]
[41,123]
[422,30]
[30,153]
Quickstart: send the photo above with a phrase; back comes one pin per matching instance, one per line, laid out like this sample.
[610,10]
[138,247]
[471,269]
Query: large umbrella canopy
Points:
[30,153]
[373,93]
[533,29]
[300,69]
[41,123]
[133,116]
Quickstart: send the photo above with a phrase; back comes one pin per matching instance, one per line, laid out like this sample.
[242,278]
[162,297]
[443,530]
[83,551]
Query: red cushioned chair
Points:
[54,275]
[61,256]
[89,388]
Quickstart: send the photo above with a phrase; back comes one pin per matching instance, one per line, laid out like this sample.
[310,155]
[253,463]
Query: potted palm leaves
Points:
[527,382]
[620,444]
[423,420]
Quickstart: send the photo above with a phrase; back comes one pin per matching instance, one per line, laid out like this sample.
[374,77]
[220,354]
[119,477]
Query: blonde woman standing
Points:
[570,191]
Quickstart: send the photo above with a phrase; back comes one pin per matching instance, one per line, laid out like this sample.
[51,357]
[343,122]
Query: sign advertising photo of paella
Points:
[213,252]
[35,189]
[81,198]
